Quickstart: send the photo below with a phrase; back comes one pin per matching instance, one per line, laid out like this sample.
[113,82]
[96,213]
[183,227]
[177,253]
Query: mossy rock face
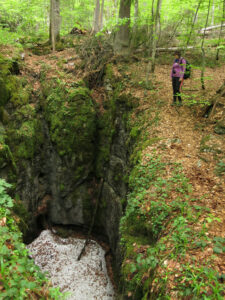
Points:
[5,66]
[4,92]
[26,138]
[3,149]
[11,88]
[25,134]
[72,122]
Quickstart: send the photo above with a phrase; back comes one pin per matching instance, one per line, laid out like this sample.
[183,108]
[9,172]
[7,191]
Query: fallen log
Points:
[201,31]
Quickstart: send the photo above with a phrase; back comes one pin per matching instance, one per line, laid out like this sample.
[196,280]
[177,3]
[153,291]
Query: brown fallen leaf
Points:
[3,221]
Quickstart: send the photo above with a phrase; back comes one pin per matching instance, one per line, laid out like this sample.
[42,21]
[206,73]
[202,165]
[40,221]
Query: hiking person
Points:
[177,75]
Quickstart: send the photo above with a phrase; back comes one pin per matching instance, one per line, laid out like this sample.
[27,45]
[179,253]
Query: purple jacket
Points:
[178,69]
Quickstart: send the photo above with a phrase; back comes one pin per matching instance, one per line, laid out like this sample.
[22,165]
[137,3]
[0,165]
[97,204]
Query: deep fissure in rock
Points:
[62,144]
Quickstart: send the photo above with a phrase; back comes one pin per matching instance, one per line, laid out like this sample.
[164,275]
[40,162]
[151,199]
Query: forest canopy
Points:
[23,19]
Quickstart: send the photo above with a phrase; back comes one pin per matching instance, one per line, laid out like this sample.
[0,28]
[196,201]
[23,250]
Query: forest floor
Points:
[181,134]
[184,135]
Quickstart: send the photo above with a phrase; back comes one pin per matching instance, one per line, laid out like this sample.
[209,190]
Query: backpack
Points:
[187,72]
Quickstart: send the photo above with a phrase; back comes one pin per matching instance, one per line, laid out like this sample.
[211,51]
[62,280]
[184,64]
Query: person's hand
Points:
[180,79]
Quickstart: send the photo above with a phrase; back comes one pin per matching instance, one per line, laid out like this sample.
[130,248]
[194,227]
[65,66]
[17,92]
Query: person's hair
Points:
[178,53]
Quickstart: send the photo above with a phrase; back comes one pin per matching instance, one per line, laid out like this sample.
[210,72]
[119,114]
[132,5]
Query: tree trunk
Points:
[136,12]
[122,37]
[153,37]
[220,34]
[151,29]
[156,33]
[96,24]
[213,11]
[54,30]
[193,23]
[101,14]
[134,40]
[203,50]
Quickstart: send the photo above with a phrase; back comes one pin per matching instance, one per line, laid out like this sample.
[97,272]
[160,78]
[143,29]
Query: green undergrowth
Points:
[19,277]
[163,223]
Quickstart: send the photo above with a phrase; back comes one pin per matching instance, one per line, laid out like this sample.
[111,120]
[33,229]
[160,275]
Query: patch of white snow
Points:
[86,279]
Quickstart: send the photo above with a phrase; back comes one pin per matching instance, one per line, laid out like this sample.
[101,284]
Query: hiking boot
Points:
[179,104]
[173,104]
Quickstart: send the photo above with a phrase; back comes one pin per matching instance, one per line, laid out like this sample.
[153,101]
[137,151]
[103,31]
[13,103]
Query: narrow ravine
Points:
[86,279]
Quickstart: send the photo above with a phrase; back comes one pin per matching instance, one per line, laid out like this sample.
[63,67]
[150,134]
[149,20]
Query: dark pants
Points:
[176,89]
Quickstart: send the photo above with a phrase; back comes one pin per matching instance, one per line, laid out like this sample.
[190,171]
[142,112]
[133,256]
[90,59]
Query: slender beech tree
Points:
[151,30]
[102,14]
[221,28]
[202,48]
[54,31]
[213,13]
[156,32]
[135,33]
[136,12]
[193,23]
[155,35]
[122,36]
[96,24]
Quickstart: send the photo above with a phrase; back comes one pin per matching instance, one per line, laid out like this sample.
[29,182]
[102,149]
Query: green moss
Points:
[72,120]
[220,128]
[11,88]
[59,46]
[62,187]
[109,73]
[5,66]
[4,92]
[26,139]
[20,97]
[26,112]
[6,156]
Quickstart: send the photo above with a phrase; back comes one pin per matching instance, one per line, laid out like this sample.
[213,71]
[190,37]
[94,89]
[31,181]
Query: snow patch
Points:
[86,279]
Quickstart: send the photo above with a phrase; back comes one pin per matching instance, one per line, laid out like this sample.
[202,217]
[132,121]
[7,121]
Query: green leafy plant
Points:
[20,278]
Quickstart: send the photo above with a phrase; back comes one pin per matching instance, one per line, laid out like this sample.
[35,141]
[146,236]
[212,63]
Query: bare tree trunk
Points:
[115,6]
[96,16]
[136,11]
[193,23]
[134,40]
[213,10]
[156,33]
[54,30]
[52,25]
[101,14]
[122,37]
[203,50]
[220,34]
[151,36]
[151,29]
